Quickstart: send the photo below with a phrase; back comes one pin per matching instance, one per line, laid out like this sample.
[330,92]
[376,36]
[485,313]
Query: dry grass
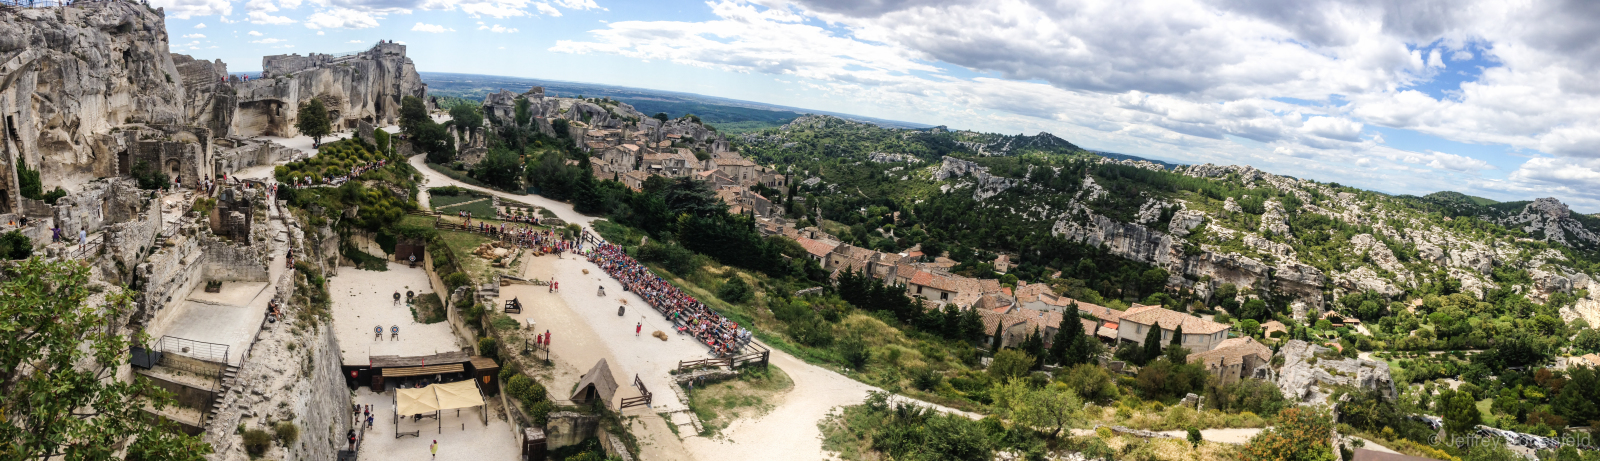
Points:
[751,395]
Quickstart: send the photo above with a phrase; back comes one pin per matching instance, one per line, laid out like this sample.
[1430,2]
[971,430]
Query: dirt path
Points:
[432,178]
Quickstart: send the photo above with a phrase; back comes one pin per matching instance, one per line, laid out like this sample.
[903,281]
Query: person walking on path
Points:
[434,449]
[638,328]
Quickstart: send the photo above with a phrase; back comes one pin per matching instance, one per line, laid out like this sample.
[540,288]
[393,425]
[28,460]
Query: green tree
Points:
[1194,437]
[1010,363]
[1033,345]
[1250,327]
[1177,336]
[1254,309]
[1460,413]
[499,168]
[312,120]
[14,245]
[662,116]
[413,114]
[1053,407]
[522,112]
[467,117]
[1067,349]
[58,387]
[1301,434]
[998,340]
[1152,344]
[381,139]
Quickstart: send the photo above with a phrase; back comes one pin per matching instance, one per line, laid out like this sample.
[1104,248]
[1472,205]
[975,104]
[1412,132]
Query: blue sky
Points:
[1486,98]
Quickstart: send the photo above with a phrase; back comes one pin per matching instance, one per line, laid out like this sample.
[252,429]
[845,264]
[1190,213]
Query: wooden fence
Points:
[642,400]
[756,355]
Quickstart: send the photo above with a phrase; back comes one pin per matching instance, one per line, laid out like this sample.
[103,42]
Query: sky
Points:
[1490,98]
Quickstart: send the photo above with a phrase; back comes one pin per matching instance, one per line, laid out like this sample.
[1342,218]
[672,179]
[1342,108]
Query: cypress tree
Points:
[1152,343]
[1177,336]
[1034,346]
[1069,338]
[994,346]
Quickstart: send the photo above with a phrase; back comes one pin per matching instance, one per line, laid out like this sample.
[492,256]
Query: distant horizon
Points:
[1491,99]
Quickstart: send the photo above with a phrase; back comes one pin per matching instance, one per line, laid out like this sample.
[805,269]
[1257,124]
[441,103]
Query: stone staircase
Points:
[229,378]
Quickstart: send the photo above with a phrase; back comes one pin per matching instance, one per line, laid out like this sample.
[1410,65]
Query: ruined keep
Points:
[365,86]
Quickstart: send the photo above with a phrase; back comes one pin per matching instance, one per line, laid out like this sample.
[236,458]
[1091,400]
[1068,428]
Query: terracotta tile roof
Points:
[817,248]
[1231,351]
[1273,325]
[989,285]
[1169,319]
[733,162]
[630,147]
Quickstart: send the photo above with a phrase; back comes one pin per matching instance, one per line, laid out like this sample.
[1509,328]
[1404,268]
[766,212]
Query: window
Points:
[944,296]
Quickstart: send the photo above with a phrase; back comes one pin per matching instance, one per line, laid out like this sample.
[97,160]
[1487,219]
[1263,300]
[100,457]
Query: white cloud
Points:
[357,41]
[321,33]
[268,41]
[194,36]
[1184,78]
[261,17]
[186,9]
[256,34]
[579,4]
[344,18]
[499,29]
[225,20]
[200,26]
[547,10]
[432,28]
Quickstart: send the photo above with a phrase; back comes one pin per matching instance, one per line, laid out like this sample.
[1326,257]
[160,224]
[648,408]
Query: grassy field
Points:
[479,207]
[746,397]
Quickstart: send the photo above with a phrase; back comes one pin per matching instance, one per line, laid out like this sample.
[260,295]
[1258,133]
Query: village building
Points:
[1234,359]
[1199,335]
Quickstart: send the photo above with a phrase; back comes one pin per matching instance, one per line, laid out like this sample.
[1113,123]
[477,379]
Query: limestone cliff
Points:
[366,86]
[70,75]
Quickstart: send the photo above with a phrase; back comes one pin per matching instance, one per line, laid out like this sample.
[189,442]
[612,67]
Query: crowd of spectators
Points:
[688,315]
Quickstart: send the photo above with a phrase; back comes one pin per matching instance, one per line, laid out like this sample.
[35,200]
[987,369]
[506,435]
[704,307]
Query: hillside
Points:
[1297,244]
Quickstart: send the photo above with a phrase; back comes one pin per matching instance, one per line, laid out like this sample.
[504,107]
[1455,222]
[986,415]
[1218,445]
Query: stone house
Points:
[1016,324]
[1199,335]
[1234,359]
[635,180]
[817,249]
[741,170]
[621,157]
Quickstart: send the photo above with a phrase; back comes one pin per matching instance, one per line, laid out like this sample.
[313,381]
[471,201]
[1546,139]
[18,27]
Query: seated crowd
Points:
[723,336]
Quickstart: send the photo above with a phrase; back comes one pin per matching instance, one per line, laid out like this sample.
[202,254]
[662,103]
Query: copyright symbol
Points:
[1433,439]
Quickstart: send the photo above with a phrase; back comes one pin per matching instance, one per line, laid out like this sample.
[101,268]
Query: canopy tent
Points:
[416,401]
[460,394]
[436,397]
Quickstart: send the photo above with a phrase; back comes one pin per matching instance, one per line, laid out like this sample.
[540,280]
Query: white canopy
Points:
[416,401]
[460,394]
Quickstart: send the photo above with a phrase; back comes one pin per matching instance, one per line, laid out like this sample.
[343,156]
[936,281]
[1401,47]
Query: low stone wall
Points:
[185,395]
[229,262]
[568,428]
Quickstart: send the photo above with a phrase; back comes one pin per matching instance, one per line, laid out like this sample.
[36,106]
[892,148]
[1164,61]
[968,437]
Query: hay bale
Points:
[658,334]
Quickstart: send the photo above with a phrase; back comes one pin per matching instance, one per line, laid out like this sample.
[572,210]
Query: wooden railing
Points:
[643,400]
[757,355]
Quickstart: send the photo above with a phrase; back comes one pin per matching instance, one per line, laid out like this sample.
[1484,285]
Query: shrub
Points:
[486,346]
[456,279]
[287,432]
[925,378]
[735,290]
[257,441]
[854,352]
[14,245]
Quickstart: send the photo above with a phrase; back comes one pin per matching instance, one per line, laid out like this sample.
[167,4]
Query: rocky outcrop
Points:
[1274,221]
[209,98]
[1146,245]
[1310,373]
[988,185]
[1364,279]
[366,86]
[1185,221]
[1552,220]
[68,76]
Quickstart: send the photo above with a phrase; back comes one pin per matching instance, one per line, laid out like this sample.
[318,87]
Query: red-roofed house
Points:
[818,249]
[1199,335]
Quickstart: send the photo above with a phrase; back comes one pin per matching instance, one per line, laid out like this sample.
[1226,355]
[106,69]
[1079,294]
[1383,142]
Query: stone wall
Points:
[568,428]
[185,395]
[125,243]
[234,154]
[229,262]
[166,276]
[209,97]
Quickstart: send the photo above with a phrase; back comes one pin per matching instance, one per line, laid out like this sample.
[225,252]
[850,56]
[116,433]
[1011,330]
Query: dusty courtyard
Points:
[365,299]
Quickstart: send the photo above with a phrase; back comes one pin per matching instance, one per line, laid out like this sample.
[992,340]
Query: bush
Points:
[287,432]
[456,279]
[854,352]
[14,245]
[735,291]
[448,190]
[811,332]
[486,346]
[925,378]
[257,441]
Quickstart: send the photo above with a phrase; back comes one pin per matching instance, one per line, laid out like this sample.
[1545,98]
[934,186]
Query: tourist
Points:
[638,328]
[435,449]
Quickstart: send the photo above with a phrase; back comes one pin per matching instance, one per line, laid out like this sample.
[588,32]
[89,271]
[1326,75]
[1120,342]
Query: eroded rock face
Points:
[1309,372]
[210,99]
[988,185]
[72,74]
[366,86]
[1552,220]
